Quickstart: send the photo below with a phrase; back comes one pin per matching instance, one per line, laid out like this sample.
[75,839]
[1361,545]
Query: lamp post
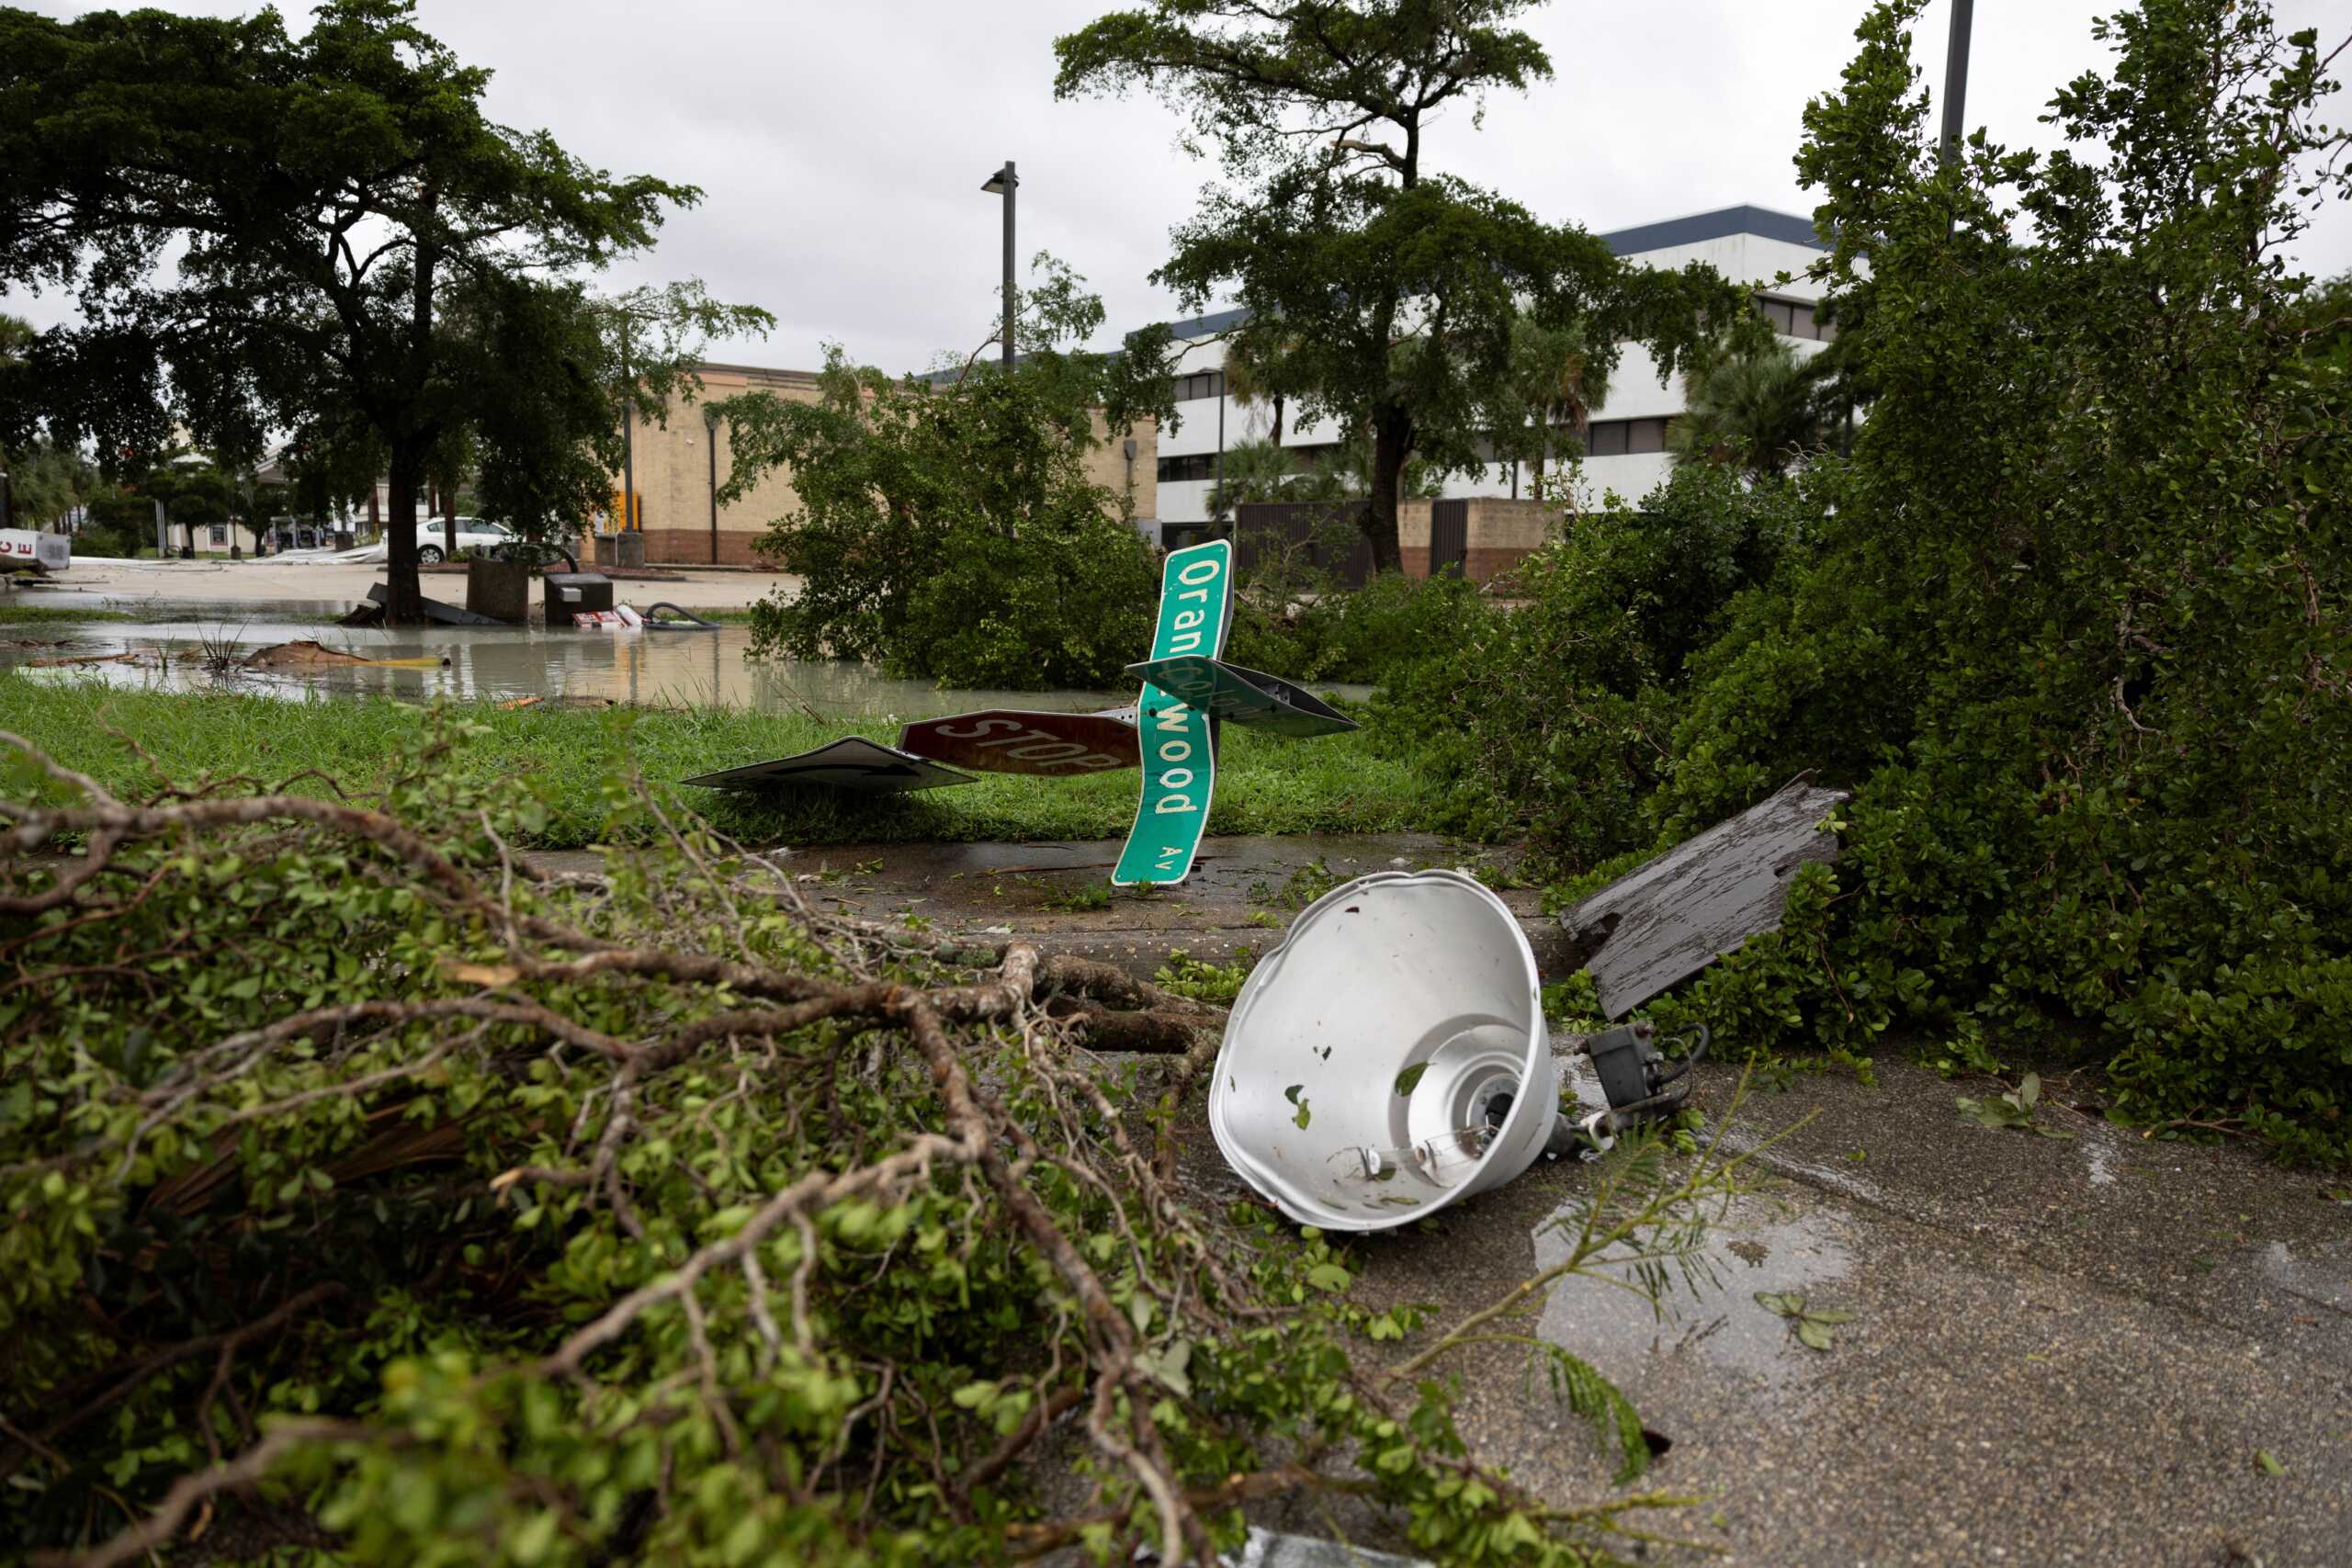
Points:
[1003,183]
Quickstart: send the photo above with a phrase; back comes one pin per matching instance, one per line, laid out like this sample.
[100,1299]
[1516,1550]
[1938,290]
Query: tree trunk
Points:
[1392,432]
[404,600]
[405,604]
[1278,421]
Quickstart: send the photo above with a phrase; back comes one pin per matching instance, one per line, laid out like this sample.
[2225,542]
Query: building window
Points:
[1795,317]
[1204,384]
[1624,437]
[1190,465]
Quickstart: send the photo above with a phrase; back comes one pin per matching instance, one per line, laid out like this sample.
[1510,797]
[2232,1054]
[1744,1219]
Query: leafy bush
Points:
[948,533]
[1365,634]
[1552,718]
[947,530]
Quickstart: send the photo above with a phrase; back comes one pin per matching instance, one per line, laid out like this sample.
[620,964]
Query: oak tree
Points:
[325,236]
[1381,293]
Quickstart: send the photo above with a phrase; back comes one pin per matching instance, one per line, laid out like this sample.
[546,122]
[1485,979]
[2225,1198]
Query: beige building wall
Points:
[1501,533]
[674,471]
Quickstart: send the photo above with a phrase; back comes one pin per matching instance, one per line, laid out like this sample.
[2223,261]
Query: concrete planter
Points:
[499,589]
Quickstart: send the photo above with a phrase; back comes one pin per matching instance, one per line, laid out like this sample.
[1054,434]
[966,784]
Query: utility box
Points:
[570,594]
[629,548]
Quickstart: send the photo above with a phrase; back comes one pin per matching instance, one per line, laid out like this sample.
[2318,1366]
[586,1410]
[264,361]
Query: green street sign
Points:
[1179,741]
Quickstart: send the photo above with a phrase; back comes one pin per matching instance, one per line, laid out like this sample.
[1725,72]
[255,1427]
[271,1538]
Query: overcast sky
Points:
[841,144]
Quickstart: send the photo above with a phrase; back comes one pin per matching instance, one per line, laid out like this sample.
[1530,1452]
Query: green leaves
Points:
[1019,572]
[1815,1327]
[2012,1109]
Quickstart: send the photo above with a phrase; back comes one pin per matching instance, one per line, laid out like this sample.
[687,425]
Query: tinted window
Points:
[1606,438]
[1646,435]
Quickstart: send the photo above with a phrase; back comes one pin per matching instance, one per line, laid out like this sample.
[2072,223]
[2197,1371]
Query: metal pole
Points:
[628,445]
[711,426]
[1011,184]
[1956,79]
[163,546]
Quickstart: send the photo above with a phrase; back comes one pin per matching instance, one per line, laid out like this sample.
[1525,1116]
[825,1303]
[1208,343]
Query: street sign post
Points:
[1179,740]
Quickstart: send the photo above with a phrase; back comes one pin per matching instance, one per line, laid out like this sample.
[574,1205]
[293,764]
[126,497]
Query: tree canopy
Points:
[946,527]
[1381,294]
[358,255]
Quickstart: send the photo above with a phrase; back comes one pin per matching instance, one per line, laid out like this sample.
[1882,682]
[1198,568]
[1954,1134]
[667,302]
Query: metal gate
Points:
[1450,536]
[1323,536]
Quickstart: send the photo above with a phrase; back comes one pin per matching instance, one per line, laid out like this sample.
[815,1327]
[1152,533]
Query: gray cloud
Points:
[841,146]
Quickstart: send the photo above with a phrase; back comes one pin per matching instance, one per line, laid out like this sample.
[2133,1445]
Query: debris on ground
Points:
[1664,921]
[305,654]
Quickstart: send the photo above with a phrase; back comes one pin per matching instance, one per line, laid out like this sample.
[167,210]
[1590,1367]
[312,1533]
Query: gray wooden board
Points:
[434,610]
[851,763]
[1664,921]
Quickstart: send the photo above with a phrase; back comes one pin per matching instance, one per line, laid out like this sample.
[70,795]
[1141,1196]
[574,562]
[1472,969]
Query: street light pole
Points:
[710,428]
[1956,79]
[1003,183]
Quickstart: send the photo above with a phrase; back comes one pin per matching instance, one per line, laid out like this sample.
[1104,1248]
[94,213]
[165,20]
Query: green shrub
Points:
[1361,635]
[1552,718]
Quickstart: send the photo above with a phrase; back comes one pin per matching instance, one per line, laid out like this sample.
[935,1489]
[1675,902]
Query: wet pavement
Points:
[1240,896]
[2043,1366]
[2062,1351]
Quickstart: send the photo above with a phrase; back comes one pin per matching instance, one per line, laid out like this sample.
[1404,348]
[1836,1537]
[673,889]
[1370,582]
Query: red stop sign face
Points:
[1055,745]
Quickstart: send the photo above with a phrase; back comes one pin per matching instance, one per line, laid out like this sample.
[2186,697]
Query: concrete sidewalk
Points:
[2063,1351]
[988,889]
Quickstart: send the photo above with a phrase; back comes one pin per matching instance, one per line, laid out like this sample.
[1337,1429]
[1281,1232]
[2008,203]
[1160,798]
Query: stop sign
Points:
[998,740]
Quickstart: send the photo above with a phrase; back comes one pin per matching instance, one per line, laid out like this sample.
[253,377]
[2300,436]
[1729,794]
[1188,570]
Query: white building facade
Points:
[1625,444]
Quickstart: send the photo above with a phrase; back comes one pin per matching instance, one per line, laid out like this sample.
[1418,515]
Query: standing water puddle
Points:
[1711,1317]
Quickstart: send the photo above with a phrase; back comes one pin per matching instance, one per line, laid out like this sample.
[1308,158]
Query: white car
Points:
[473,534]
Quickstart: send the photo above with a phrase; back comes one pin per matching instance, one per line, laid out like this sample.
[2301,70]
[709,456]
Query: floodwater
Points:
[697,669]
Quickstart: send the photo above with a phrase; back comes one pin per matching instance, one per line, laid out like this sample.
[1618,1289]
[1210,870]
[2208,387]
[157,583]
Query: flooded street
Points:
[654,669]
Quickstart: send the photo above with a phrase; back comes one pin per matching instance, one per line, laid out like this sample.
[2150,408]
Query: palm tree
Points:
[1753,408]
[1252,470]
[1559,381]
[1245,385]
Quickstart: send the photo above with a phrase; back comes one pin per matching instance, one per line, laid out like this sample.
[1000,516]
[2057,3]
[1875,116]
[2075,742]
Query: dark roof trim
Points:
[1205,326]
[1721,224]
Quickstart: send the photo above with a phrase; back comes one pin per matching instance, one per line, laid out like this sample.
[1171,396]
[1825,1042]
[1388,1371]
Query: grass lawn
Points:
[1265,784]
[48,614]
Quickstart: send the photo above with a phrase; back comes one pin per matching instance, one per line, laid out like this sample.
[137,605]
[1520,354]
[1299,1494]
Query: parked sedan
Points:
[473,534]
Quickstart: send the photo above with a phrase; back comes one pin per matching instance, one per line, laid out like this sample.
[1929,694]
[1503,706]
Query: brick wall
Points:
[691,546]
[1502,534]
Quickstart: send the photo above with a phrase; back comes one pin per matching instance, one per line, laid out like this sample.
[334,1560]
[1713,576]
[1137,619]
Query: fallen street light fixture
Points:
[1390,1057]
